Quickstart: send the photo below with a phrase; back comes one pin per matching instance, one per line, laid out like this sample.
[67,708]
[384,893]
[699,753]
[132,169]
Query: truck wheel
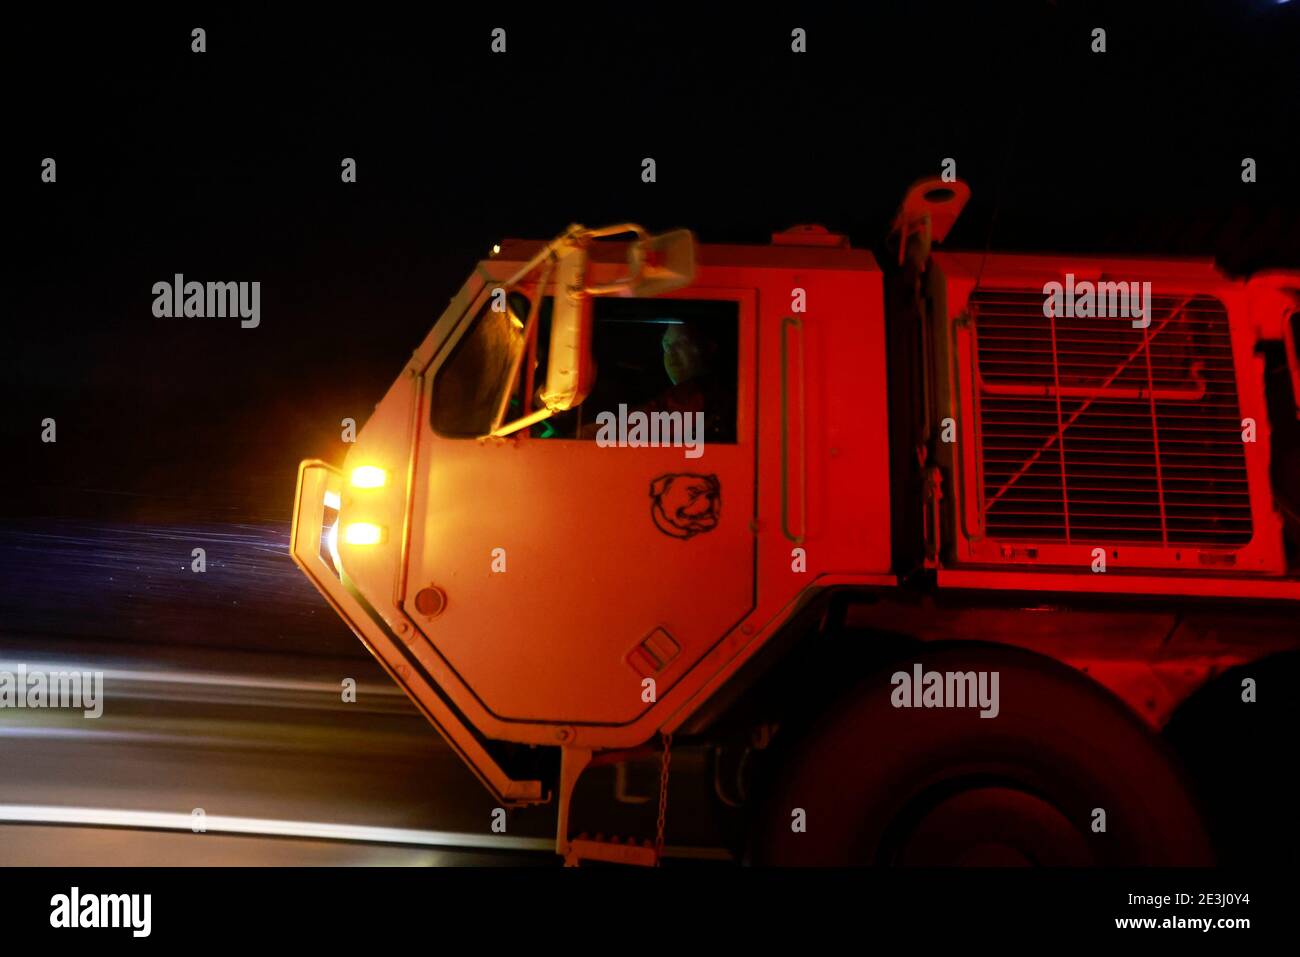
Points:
[936,786]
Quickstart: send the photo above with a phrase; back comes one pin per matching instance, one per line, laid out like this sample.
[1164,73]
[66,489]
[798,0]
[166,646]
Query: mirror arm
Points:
[638,257]
[616,230]
[573,235]
[577,234]
[511,427]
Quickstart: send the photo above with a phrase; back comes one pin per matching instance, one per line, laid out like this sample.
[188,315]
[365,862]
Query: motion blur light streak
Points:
[202,678]
[162,820]
[317,830]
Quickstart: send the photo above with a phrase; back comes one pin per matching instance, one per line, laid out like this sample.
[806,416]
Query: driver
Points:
[692,362]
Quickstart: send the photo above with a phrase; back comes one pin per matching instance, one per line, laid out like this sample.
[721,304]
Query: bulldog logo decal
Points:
[684,505]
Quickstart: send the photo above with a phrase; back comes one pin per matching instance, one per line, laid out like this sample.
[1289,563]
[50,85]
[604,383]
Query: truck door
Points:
[575,560]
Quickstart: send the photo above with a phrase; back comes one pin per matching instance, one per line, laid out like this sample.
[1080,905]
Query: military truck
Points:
[959,534]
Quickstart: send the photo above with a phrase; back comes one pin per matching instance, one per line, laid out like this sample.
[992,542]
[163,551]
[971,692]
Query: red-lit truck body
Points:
[921,453]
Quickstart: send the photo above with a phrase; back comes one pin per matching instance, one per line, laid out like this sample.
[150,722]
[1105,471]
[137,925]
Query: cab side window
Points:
[651,355]
[658,355]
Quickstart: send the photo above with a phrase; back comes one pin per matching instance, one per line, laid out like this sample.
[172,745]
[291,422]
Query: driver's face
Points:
[683,359]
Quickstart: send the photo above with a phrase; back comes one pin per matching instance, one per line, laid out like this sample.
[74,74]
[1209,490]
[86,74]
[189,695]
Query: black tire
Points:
[943,786]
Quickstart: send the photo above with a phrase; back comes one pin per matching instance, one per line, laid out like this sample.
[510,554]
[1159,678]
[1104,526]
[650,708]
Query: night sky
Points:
[224,166]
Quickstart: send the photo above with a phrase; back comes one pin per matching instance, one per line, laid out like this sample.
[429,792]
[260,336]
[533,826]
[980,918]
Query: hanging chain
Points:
[663,798]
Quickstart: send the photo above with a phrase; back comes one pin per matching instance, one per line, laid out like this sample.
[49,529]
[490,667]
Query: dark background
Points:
[225,166]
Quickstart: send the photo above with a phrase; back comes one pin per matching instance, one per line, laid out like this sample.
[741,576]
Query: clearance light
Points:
[363,533]
[329,546]
[368,476]
[332,546]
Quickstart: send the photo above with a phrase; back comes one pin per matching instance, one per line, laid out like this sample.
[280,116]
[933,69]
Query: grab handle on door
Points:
[792,394]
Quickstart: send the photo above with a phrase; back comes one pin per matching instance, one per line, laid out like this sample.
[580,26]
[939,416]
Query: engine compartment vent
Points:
[1090,430]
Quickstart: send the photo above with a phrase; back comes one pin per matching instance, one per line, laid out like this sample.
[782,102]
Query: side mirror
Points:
[656,264]
[662,263]
[569,366]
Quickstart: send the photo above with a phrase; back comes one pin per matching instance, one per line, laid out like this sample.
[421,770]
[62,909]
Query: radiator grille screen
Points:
[1090,430]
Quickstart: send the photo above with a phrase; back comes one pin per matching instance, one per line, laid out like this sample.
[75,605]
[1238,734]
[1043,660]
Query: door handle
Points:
[792,413]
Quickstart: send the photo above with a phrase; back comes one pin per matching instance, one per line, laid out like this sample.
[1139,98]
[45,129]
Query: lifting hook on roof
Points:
[928,212]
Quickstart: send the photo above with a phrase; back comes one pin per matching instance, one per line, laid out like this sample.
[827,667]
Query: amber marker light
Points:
[364,533]
[368,476]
